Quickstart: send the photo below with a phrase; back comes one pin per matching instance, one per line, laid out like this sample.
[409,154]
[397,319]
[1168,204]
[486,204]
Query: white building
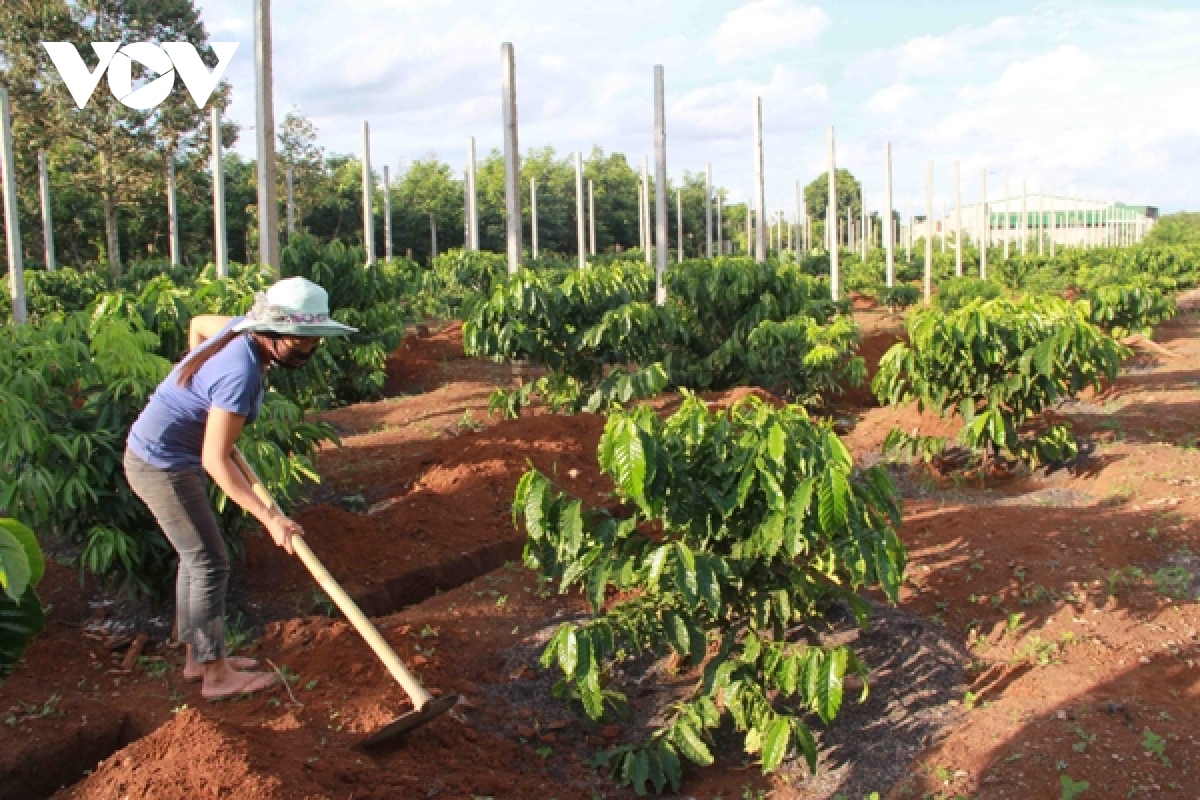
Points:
[1058,219]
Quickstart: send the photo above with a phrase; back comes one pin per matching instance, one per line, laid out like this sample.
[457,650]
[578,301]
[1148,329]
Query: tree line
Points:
[108,165]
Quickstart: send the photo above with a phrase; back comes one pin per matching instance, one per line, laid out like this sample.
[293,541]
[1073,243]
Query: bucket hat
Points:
[293,306]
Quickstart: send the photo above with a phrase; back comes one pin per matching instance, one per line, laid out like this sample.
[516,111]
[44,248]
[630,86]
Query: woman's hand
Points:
[282,529]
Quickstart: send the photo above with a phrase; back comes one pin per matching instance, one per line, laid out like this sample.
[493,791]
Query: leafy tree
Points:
[299,150]
[1180,228]
[849,195]
[117,152]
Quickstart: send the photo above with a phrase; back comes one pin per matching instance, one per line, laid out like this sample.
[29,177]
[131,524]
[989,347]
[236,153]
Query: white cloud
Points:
[1101,99]
[767,26]
[891,99]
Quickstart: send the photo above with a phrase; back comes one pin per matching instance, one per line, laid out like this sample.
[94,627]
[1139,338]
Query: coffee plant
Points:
[726,322]
[69,391]
[21,568]
[737,529]
[999,363]
[1128,308]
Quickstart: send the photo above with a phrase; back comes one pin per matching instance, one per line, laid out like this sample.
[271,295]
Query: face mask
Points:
[293,358]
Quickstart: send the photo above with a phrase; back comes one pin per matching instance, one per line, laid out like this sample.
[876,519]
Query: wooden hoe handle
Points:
[415,691]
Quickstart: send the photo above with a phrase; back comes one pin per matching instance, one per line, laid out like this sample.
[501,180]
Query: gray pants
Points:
[179,501]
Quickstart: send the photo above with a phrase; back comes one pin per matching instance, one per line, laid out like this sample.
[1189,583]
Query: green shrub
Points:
[954,293]
[21,569]
[744,525]
[999,363]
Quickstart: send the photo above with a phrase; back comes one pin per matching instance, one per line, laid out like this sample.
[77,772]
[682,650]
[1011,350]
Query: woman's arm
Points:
[205,327]
[220,436]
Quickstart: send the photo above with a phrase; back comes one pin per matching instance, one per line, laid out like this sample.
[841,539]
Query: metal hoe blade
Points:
[414,719]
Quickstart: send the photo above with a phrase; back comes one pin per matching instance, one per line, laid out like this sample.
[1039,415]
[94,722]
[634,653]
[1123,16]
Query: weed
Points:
[501,601]
[154,667]
[1154,744]
[23,711]
[321,602]
[468,421]
[750,793]
[1085,739]
[1012,622]
[1172,582]
[1123,578]
[354,502]
[1040,653]
[289,674]
[1036,595]
[1072,788]
[311,685]
[428,631]
[970,700]
[237,633]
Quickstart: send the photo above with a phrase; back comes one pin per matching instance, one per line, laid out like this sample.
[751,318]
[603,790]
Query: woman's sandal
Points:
[255,682]
[237,662]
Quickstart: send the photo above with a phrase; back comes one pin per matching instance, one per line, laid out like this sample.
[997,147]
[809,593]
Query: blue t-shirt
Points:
[169,434]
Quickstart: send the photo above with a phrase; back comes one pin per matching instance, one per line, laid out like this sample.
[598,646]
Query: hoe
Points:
[425,707]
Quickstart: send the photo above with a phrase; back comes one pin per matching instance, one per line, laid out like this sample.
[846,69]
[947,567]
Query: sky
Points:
[1099,100]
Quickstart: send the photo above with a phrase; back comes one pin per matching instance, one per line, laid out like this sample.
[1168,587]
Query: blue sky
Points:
[1095,99]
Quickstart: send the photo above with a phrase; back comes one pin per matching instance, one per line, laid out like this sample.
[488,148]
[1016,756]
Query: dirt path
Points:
[1047,623]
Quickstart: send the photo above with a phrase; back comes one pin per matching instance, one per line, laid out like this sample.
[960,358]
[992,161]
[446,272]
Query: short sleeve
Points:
[237,393]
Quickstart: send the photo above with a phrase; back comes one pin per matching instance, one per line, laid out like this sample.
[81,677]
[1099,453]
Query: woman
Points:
[189,427]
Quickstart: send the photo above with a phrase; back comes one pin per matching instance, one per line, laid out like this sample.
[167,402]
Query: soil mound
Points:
[195,757]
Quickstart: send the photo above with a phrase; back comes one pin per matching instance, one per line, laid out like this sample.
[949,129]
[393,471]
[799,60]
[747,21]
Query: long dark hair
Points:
[200,356]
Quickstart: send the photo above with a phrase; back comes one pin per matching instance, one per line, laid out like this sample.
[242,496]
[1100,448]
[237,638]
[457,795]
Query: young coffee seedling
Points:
[745,523]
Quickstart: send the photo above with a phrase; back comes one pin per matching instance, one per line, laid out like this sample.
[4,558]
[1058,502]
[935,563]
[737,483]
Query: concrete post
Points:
[512,157]
[368,189]
[679,225]
[1041,222]
[220,249]
[173,212]
[800,239]
[641,201]
[760,191]
[433,249]
[472,199]
[1024,222]
[750,229]
[928,289]
[708,215]
[12,222]
[958,229]
[47,216]
[831,221]
[911,222]
[264,134]
[290,199]
[1007,223]
[580,220]
[660,185]
[387,213]
[1053,223]
[888,228]
[720,227]
[592,217]
[533,217]
[985,224]
[646,209]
